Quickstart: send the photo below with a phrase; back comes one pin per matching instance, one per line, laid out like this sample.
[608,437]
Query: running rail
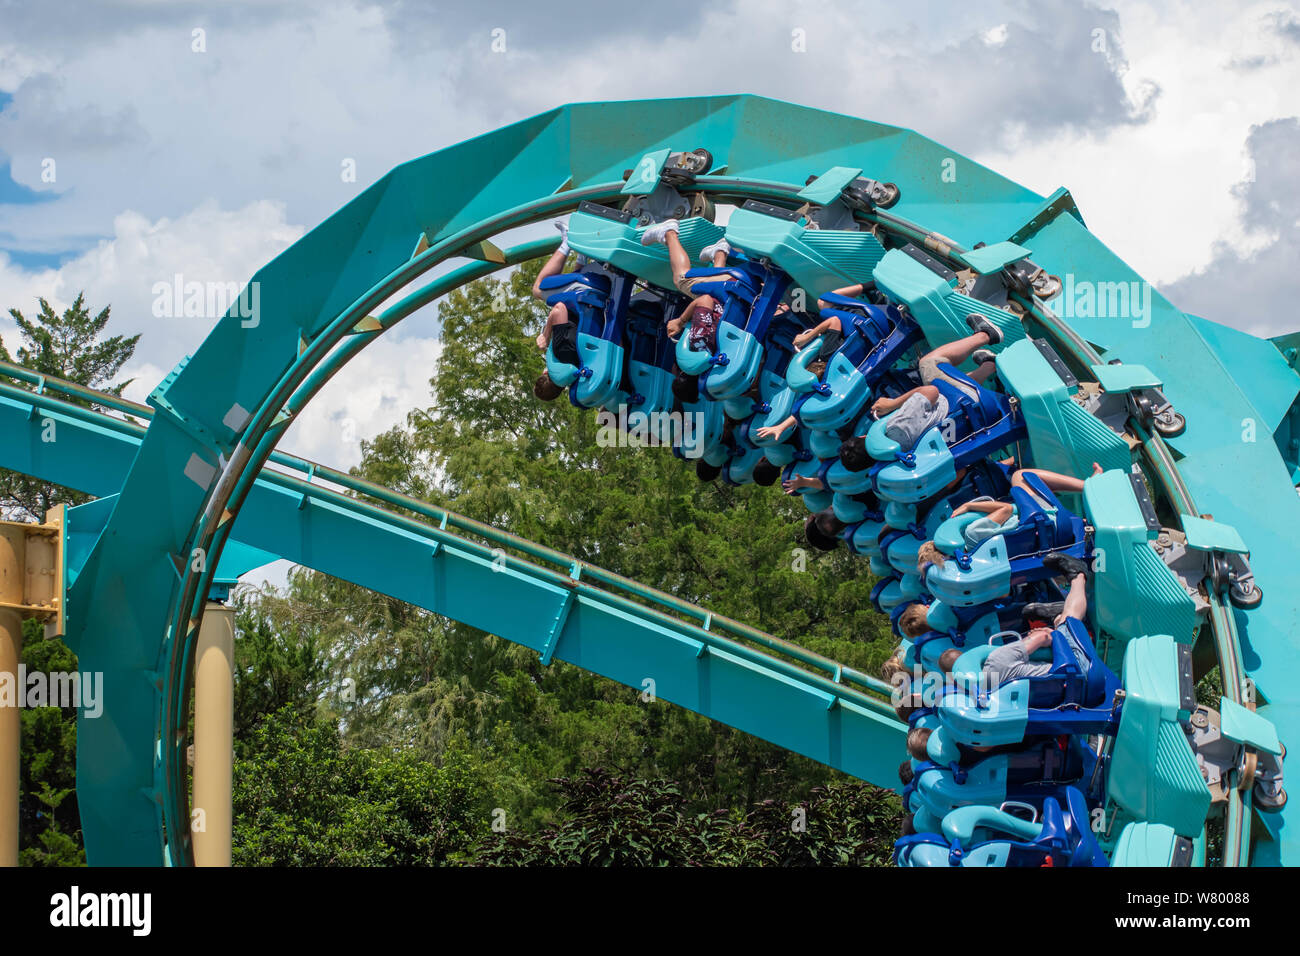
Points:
[222,412]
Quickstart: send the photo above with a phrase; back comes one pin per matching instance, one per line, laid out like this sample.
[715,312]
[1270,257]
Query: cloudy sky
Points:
[141,139]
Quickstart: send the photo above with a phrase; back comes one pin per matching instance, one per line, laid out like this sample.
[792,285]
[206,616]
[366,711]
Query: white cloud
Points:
[206,244]
[1160,194]
[371,394]
[995,36]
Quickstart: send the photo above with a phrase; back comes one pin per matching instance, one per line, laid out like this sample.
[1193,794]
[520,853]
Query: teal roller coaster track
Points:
[196,473]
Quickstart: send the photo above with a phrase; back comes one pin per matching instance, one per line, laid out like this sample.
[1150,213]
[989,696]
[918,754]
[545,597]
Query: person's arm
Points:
[825,325]
[776,431]
[849,291]
[792,485]
[998,511]
[883,406]
[807,335]
[676,325]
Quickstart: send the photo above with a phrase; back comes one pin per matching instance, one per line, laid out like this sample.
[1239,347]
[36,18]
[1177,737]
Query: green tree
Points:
[301,798]
[607,820]
[69,345]
[490,450]
[49,825]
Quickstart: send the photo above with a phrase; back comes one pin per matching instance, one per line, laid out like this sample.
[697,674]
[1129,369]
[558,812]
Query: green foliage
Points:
[49,827]
[303,799]
[371,732]
[424,685]
[69,345]
[279,663]
[610,821]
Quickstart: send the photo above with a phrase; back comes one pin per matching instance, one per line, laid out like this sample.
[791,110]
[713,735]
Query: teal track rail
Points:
[198,475]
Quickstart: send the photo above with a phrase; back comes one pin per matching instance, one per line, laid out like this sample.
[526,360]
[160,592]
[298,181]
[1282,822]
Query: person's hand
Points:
[674,327]
[879,407]
[803,338]
[961,509]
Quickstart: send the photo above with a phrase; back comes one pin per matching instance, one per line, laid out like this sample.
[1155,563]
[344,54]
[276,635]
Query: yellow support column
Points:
[12,575]
[214,729]
[31,585]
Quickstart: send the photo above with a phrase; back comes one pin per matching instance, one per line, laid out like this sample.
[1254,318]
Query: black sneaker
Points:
[978,323]
[1066,565]
[1043,611]
[984,356]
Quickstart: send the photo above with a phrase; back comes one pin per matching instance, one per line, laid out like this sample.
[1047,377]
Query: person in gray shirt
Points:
[1012,661]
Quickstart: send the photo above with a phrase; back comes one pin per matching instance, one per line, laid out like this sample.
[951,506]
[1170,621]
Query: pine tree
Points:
[71,346]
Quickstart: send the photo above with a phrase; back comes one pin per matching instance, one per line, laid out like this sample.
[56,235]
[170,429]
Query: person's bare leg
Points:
[678,257]
[554,266]
[954,353]
[1055,481]
[981,374]
[557,316]
[1076,602]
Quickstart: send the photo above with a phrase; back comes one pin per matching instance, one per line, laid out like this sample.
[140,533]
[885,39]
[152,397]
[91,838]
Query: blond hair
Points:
[929,554]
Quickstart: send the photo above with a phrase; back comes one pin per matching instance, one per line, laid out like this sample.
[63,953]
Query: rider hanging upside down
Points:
[560,332]
[997,513]
[703,311]
[831,331]
[1011,661]
[925,406]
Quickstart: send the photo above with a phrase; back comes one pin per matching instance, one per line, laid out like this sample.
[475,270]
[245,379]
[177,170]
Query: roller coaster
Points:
[1103,756]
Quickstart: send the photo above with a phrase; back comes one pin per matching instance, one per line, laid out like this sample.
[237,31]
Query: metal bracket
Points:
[1059,202]
[561,617]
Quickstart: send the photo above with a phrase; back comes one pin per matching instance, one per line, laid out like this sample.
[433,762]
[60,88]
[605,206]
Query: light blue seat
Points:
[705,432]
[689,360]
[781,408]
[839,398]
[825,445]
[985,836]
[847,509]
[797,377]
[986,579]
[839,478]
[918,474]
[864,539]
[1076,696]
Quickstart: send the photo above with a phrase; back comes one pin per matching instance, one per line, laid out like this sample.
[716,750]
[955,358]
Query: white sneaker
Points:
[658,232]
[564,235]
[708,252]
